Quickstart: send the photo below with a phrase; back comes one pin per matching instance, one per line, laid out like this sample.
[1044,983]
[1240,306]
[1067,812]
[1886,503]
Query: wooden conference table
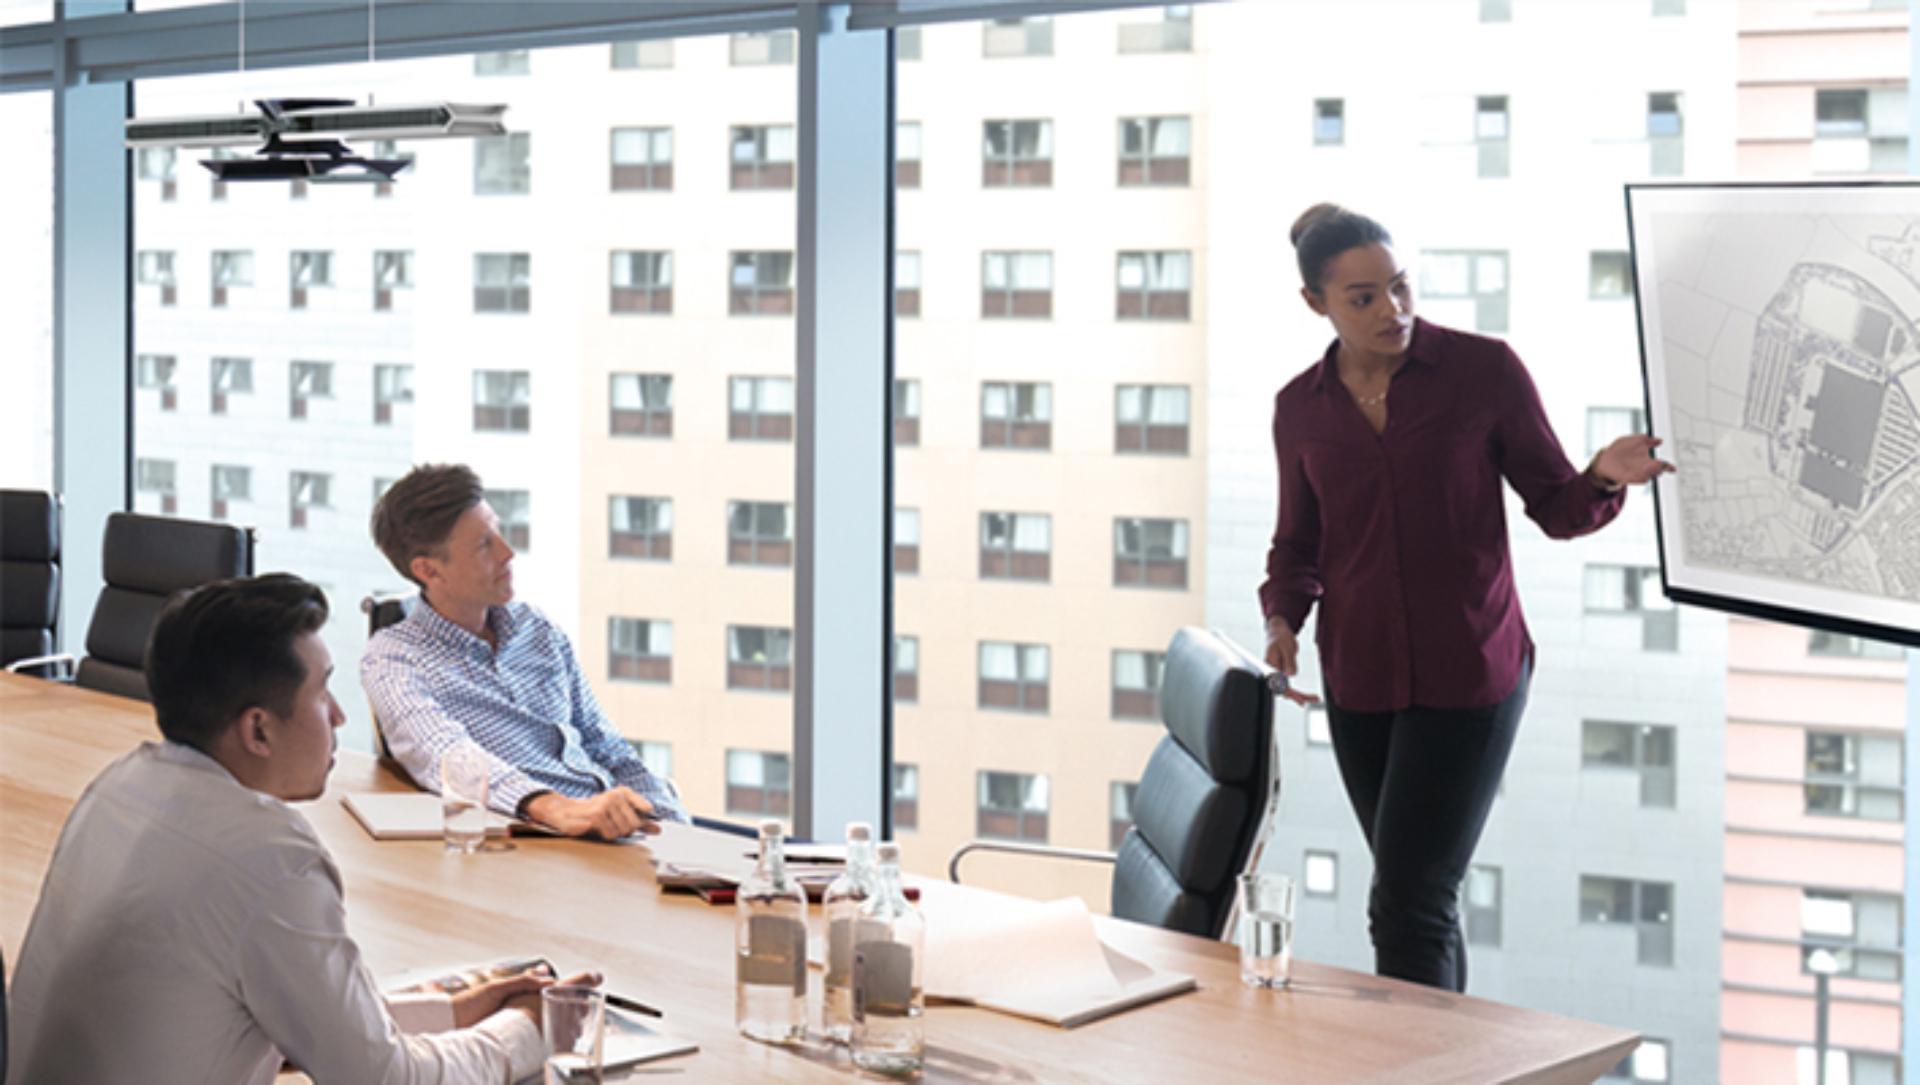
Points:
[586,905]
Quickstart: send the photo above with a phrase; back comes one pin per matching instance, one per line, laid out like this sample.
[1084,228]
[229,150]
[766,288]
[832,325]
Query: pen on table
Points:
[632,1005]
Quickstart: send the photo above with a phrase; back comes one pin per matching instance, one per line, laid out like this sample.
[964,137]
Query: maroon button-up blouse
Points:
[1402,536]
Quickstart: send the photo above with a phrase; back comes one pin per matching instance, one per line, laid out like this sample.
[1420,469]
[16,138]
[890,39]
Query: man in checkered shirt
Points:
[470,663]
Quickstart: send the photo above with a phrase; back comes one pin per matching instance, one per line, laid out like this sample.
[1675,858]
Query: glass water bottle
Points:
[770,940]
[841,907]
[889,963]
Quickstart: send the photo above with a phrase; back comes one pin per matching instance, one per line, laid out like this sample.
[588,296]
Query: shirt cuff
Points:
[421,1011]
[519,1037]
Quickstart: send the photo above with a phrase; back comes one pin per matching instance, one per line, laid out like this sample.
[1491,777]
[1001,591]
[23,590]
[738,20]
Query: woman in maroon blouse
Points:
[1392,449]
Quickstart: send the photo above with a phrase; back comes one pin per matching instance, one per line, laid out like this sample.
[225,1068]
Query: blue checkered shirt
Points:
[526,703]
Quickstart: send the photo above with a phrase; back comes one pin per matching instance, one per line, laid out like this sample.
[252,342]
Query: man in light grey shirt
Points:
[192,928]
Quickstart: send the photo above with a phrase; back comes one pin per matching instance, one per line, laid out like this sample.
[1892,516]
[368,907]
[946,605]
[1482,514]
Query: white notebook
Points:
[406,815]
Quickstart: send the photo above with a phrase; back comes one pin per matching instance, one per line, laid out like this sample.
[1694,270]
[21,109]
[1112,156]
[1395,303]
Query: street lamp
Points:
[1823,964]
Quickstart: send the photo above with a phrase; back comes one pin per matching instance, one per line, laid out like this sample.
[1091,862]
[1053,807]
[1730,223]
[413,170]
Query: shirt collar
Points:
[499,619]
[1423,348]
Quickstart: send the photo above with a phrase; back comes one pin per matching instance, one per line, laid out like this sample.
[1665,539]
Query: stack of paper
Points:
[1042,961]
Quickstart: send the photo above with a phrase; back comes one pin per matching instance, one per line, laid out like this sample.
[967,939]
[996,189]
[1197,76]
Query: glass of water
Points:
[1266,929]
[574,1020]
[463,797]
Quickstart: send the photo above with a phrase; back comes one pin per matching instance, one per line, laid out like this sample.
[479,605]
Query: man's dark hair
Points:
[1326,230]
[224,647]
[415,516]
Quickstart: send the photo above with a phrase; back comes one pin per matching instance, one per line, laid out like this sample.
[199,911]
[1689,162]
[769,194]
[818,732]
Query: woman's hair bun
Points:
[1311,217]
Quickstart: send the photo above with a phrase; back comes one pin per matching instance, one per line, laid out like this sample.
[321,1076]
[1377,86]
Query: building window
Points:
[641,405]
[759,783]
[640,527]
[1136,684]
[506,62]
[154,267]
[1606,425]
[1862,931]
[1627,589]
[1172,32]
[762,156]
[906,669]
[515,509]
[229,376]
[906,413]
[1155,150]
[1846,1067]
[1479,278]
[392,270]
[1648,1065]
[639,650]
[1329,122]
[156,371]
[1013,677]
[1017,154]
[761,283]
[1018,38]
[1666,141]
[1151,418]
[1015,545]
[1153,286]
[657,756]
[308,270]
[1491,131]
[1320,874]
[906,43]
[1483,906]
[1855,775]
[392,386]
[158,164]
[1149,553]
[1860,130]
[1496,11]
[642,282]
[771,47]
[1120,811]
[1013,806]
[1609,275]
[906,796]
[502,282]
[306,490]
[502,400]
[1016,284]
[634,55]
[759,657]
[906,154]
[906,284]
[307,381]
[229,483]
[1645,906]
[1669,7]
[231,268]
[906,540]
[642,159]
[501,165]
[156,477]
[759,533]
[1641,748]
[760,408]
[1016,415]
[1832,645]
[1319,732]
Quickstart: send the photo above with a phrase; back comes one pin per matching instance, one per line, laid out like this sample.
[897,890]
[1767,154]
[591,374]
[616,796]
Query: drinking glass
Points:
[1266,929]
[575,1021]
[463,797]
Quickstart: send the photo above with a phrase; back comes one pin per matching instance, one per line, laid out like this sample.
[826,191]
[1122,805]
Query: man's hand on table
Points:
[610,815]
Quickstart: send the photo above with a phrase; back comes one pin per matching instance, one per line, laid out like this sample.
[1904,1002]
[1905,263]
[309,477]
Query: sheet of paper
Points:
[979,947]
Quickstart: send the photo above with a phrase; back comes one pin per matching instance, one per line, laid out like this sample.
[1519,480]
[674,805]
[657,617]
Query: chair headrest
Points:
[1214,701]
[161,555]
[29,526]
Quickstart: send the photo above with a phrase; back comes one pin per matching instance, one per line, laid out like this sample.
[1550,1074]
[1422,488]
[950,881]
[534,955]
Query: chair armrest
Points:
[1038,850]
[62,659]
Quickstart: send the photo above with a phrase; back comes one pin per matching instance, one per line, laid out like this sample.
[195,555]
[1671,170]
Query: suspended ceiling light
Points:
[300,138]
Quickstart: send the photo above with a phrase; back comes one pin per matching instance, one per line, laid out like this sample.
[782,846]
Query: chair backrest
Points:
[145,560]
[1201,801]
[383,611]
[29,573]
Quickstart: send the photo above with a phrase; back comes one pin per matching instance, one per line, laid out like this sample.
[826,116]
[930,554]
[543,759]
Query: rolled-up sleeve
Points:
[1558,496]
[418,729]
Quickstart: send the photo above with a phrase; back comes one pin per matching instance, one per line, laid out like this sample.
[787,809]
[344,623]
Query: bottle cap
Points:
[859,832]
[772,827]
[889,853]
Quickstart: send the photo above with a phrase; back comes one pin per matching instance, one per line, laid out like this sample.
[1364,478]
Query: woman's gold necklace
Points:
[1370,401]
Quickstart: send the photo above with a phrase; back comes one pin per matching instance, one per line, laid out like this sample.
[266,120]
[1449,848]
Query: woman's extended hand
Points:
[1283,652]
[1629,461]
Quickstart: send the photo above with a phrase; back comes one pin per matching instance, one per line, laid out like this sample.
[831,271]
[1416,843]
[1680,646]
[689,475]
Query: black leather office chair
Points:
[29,574]
[383,610]
[146,559]
[1204,798]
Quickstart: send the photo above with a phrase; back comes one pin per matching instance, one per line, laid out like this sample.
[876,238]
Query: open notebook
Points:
[411,815]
